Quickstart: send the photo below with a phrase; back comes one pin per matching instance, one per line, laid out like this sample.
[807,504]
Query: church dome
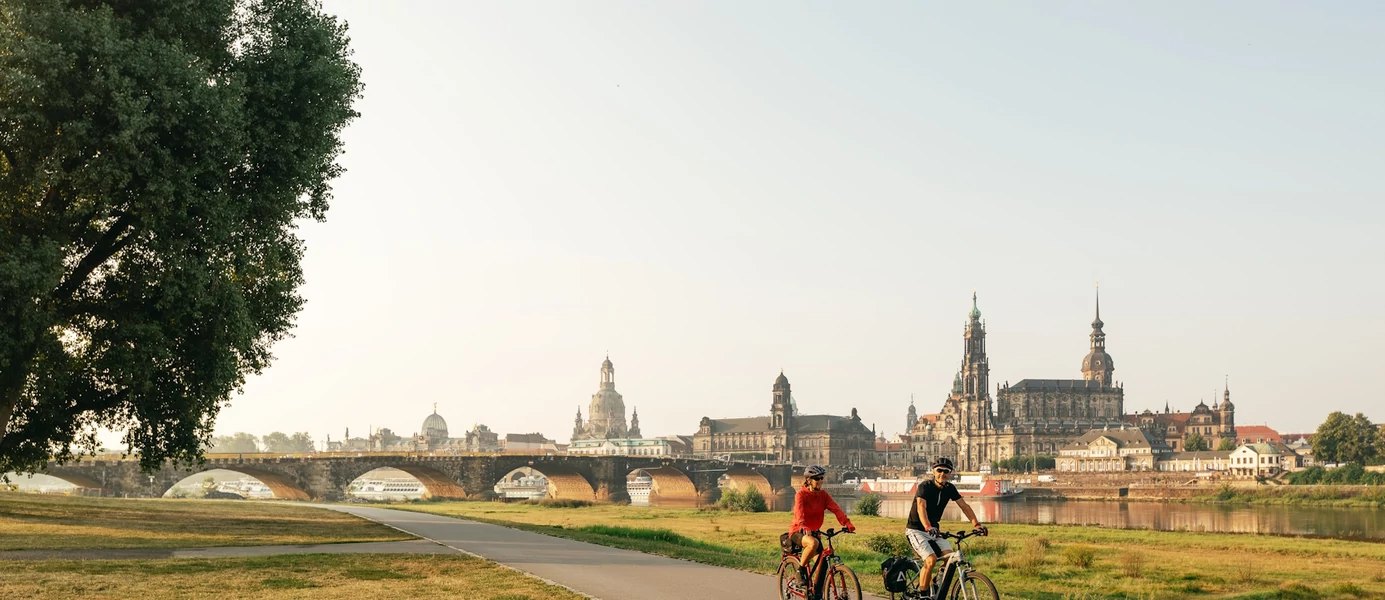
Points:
[781,379]
[434,425]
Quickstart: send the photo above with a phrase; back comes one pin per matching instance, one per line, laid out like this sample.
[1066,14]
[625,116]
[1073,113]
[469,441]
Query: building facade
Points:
[1031,417]
[1213,424]
[1110,450]
[786,436]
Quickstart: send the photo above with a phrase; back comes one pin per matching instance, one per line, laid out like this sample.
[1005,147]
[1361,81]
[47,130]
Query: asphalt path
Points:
[597,571]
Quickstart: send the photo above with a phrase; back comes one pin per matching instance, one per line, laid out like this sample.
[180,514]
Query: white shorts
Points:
[925,544]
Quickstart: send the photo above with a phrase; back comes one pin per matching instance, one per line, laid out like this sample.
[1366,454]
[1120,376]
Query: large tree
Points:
[1196,443]
[1345,439]
[155,156]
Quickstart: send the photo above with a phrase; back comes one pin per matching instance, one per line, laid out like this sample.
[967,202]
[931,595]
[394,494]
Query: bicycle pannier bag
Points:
[787,545]
[898,571]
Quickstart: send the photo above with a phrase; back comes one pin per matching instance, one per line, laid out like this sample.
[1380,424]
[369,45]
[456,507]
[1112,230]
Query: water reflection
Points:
[1356,523]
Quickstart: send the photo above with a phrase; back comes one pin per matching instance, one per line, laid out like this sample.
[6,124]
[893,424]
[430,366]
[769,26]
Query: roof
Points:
[800,423]
[883,446]
[1200,455]
[1045,385]
[1267,448]
[529,438]
[1257,433]
[1124,438]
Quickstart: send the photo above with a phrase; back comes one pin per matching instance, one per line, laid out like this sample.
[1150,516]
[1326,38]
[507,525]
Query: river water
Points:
[1344,523]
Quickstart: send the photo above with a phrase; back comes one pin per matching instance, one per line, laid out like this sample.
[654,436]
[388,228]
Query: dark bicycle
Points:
[953,576]
[835,581]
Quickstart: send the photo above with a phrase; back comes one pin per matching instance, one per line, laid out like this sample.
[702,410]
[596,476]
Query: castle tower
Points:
[913,417]
[1228,416]
[634,424]
[780,410]
[578,432]
[1098,366]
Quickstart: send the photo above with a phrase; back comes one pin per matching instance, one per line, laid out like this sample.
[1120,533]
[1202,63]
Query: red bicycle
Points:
[834,582]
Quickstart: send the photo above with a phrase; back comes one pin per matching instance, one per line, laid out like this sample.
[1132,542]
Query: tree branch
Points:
[105,248]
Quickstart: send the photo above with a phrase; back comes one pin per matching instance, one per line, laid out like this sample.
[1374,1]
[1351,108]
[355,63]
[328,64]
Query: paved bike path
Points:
[598,571]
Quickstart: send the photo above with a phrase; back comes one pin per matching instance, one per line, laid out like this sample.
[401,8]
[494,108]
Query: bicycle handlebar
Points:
[962,535]
[831,533]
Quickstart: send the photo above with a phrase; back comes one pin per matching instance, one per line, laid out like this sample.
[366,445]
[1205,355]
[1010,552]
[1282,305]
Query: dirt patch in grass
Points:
[312,576]
[37,522]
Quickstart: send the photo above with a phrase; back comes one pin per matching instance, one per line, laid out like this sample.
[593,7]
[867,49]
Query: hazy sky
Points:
[713,191]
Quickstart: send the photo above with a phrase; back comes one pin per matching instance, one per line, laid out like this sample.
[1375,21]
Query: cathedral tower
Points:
[975,373]
[1098,366]
[781,409]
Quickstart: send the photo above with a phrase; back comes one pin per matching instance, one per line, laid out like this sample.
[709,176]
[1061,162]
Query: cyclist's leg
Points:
[810,551]
[930,549]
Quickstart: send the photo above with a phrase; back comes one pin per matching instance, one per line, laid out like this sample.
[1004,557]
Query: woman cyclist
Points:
[808,507]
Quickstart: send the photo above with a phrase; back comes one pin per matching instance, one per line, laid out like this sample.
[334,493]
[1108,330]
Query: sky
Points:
[715,191]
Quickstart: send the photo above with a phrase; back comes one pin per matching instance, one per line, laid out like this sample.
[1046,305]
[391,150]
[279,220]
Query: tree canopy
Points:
[155,157]
[1196,443]
[1345,439]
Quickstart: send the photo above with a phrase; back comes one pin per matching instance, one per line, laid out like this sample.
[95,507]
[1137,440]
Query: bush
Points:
[1351,589]
[889,544]
[751,500]
[1293,590]
[1032,557]
[1081,557]
[868,505]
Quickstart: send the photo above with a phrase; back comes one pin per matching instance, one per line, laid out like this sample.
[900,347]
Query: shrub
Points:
[1043,542]
[1081,557]
[868,505]
[889,544]
[1245,572]
[750,500]
[1133,565]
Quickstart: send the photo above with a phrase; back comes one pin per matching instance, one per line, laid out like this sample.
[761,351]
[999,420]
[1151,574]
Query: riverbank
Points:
[1344,496]
[1026,561]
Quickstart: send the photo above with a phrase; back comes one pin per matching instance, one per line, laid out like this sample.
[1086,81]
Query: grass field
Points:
[1025,561]
[39,522]
[312,576]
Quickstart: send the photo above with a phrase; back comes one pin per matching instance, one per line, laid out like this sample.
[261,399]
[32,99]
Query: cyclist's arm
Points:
[966,510]
[923,513]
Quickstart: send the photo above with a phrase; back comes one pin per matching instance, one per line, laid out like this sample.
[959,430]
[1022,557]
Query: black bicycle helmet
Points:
[814,471]
[944,462]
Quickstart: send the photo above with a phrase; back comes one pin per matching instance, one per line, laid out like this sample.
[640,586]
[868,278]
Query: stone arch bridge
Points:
[676,481]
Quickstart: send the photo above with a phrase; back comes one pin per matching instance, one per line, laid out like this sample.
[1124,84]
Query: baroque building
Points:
[1033,416]
[1213,424]
[786,436]
[606,413]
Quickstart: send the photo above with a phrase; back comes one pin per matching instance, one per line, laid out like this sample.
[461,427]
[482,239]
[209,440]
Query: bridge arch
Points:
[436,484]
[668,487]
[564,483]
[280,485]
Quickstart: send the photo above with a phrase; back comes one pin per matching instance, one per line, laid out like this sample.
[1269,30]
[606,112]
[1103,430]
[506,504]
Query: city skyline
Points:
[819,189]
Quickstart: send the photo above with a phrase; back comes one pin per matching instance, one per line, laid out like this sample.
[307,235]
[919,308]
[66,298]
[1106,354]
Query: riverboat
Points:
[528,487]
[980,486]
[639,489]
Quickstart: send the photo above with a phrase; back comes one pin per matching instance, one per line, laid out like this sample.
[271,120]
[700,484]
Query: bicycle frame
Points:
[954,565]
[819,569]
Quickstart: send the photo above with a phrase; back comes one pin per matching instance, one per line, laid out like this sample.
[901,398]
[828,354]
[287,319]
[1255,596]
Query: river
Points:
[1318,521]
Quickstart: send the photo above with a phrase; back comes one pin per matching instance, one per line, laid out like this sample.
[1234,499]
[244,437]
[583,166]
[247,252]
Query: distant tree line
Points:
[1019,464]
[277,442]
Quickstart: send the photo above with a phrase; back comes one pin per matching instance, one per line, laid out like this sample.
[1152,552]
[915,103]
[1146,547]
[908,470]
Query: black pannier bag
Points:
[787,545]
[898,571]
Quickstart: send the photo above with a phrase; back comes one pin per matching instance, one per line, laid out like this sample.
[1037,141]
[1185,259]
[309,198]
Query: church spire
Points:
[1098,366]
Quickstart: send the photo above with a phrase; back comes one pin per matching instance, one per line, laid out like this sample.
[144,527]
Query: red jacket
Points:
[808,509]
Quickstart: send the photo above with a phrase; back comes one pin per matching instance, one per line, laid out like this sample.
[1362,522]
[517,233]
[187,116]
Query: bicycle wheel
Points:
[841,584]
[974,586]
[788,574]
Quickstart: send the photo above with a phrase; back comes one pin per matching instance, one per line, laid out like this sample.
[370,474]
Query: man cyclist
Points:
[922,530]
[808,507]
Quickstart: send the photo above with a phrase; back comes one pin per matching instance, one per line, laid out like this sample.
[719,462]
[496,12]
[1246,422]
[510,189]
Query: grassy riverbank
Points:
[1301,495]
[289,577]
[42,522]
[1026,561]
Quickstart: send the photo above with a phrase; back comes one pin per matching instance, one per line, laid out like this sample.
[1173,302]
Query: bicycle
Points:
[835,582]
[954,574]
